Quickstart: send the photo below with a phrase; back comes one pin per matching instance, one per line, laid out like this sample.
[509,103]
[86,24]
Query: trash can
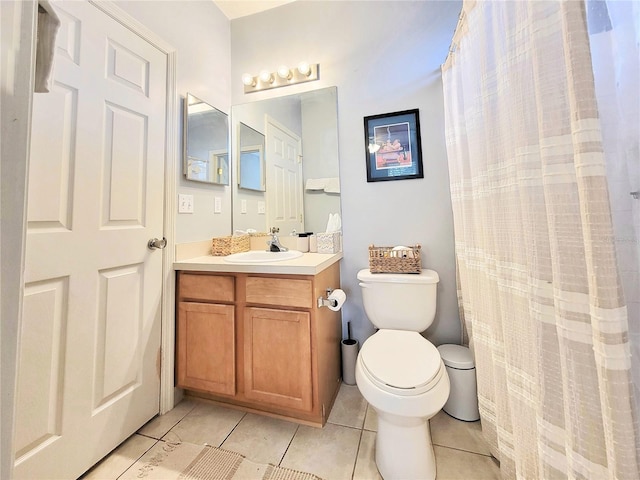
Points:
[463,398]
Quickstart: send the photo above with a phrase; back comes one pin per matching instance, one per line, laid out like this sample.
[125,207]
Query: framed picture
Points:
[393,147]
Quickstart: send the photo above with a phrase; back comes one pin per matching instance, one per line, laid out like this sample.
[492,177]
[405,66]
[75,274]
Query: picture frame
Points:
[393,146]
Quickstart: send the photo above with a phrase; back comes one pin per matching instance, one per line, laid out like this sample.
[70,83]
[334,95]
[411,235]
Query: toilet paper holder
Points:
[326,301]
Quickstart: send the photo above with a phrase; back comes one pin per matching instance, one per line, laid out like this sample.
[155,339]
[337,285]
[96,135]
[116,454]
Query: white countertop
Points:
[307,264]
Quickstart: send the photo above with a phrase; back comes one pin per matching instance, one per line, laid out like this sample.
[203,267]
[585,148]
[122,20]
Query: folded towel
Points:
[332,185]
[329,185]
[315,184]
[48,24]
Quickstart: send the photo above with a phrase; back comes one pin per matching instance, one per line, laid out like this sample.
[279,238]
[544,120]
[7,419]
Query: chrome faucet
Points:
[274,243]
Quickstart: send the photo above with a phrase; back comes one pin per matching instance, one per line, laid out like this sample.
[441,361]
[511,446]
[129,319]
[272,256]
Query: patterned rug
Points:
[217,464]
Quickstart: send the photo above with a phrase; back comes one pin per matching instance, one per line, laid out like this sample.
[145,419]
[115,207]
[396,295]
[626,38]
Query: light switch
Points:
[217,205]
[185,203]
[260,207]
[243,206]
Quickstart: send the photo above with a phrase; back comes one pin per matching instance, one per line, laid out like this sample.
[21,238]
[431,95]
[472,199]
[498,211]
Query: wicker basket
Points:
[223,246]
[386,260]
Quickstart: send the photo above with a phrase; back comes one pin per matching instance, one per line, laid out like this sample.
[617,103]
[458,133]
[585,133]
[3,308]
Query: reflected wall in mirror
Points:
[251,158]
[206,142]
[298,128]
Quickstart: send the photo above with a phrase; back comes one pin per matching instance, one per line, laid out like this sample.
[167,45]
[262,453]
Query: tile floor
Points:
[343,449]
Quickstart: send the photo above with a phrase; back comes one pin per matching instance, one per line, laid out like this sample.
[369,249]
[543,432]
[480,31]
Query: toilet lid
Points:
[402,360]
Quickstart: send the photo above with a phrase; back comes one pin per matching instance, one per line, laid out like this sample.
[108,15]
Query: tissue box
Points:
[328,242]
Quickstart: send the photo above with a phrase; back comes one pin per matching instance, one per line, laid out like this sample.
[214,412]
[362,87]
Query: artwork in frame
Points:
[393,147]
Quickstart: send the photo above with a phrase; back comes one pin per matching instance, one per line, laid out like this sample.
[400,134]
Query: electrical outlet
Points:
[243,206]
[217,205]
[185,203]
[260,207]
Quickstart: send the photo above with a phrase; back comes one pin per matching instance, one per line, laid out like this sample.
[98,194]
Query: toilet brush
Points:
[349,356]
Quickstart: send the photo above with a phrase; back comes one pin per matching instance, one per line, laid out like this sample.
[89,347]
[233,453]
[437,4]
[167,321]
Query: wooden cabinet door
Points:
[206,347]
[277,353]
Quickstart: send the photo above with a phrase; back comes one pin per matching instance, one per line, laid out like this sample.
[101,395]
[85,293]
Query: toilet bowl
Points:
[400,373]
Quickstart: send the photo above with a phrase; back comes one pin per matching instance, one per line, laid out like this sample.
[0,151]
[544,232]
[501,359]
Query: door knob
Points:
[155,243]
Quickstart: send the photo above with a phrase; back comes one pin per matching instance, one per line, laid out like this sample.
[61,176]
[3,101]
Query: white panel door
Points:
[284,179]
[88,372]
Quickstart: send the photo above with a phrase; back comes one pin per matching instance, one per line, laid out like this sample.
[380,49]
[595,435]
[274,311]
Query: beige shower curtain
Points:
[540,290]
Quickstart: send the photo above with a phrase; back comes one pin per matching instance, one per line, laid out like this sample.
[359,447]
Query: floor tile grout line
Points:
[463,450]
[355,463]
[288,445]
[232,430]
[347,426]
[343,425]
[172,426]
[138,459]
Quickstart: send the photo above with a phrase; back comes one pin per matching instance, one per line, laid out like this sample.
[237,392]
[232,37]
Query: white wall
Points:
[320,153]
[383,56]
[200,33]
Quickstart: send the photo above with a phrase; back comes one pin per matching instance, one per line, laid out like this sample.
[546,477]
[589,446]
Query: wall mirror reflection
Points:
[301,166]
[251,158]
[206,142]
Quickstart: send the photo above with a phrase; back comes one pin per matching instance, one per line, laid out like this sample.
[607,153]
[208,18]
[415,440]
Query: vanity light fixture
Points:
[284,72]
[304,72]
[266,77]
[249,80]
[304,68]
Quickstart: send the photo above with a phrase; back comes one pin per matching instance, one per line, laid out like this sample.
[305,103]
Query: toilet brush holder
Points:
[349,357]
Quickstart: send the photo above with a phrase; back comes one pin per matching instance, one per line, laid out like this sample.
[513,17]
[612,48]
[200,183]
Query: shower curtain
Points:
[540,285]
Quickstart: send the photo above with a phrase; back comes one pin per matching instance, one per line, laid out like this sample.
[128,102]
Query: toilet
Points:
[400,373]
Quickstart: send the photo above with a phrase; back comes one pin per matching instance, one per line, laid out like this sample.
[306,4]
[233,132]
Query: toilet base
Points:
[404,449]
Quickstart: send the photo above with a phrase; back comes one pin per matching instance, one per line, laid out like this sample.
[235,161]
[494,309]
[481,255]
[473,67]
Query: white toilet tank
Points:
[399,301]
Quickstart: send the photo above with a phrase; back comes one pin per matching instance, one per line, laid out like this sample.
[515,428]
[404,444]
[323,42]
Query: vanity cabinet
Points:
[277,352]
[260,342]
[206,334]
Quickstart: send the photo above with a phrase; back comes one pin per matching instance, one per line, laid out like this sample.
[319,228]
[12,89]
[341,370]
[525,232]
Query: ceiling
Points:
[241,8]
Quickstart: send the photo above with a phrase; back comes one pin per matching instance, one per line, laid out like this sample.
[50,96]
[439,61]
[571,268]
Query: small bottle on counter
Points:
[313,243]
[303,243]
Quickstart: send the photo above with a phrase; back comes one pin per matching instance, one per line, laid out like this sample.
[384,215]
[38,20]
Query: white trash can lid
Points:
[456,356]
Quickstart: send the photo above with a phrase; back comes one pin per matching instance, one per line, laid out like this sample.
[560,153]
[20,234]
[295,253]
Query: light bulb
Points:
[248,80]
[266,77]
[304,68]
[284,72]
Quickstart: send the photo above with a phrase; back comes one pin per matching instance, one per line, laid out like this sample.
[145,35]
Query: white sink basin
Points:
[260,256]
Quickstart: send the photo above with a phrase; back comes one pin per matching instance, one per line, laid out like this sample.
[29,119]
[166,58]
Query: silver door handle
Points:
[154,243]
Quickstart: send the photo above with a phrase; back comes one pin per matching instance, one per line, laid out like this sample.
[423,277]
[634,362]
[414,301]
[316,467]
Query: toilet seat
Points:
[401,362]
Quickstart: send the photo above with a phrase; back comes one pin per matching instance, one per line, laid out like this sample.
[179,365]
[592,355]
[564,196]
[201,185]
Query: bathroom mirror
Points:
[309,121]
[251,158]
[206,142]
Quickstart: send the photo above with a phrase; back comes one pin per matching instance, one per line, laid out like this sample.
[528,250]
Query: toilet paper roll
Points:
[340,297]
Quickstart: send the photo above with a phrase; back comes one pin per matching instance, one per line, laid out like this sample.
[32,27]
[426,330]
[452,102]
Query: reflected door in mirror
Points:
[206,143]
[313,117]
[251,159]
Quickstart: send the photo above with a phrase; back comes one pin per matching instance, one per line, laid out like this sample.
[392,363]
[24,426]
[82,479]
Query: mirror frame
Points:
[219,159]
